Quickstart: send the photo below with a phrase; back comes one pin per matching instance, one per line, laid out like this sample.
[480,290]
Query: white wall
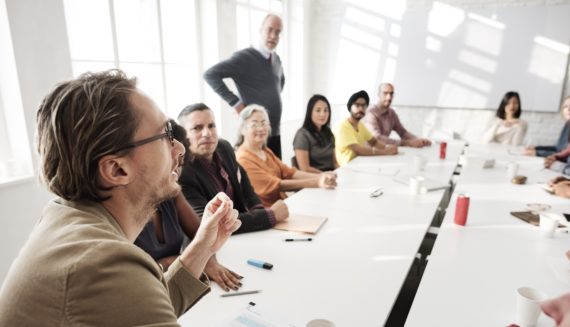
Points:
[42,59]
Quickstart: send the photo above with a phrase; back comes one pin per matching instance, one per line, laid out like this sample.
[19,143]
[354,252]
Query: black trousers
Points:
[274,143]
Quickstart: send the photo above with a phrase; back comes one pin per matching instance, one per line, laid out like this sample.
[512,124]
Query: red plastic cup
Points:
[461,209]
[442,150]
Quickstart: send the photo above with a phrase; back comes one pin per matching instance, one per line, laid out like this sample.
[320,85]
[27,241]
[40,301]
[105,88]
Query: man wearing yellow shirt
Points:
[352,138]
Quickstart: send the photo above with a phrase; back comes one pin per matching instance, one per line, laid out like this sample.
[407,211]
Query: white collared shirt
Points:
[264,52]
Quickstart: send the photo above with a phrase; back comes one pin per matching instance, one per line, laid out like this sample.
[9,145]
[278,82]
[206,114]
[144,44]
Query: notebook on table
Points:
[301,223]
[529,217]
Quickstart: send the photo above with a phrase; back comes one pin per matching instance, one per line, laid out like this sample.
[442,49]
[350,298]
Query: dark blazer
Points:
[545,151]
[198,189]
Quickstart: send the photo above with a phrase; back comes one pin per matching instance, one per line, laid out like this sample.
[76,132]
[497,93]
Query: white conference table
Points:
[474,271]
[352,272]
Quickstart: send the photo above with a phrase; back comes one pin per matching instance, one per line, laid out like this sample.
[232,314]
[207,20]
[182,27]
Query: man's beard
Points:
[157,193]
[356,116]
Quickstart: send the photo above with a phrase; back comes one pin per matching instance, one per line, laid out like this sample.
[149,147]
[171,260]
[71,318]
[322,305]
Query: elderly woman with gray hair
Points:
[269,176]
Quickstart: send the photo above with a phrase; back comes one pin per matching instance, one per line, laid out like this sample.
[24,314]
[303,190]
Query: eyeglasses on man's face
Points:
[167,133]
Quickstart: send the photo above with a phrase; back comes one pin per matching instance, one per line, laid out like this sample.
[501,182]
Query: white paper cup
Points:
[419,162]
[416,183]
[512,170]
[548,224]
[320,323]
[528,305]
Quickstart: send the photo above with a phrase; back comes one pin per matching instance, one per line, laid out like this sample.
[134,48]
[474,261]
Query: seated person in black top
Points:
[163,236]
[214,169]
[314,142]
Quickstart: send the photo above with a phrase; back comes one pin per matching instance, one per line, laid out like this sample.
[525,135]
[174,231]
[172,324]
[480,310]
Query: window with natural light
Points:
[154,40]
[15,156]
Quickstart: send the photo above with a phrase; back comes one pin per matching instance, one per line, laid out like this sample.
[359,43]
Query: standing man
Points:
[352,138]
[109,154]
[214,169]
[258,76]
[381,120]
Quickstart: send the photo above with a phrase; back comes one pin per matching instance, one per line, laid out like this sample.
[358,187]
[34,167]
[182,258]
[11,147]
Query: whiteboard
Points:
[446,56]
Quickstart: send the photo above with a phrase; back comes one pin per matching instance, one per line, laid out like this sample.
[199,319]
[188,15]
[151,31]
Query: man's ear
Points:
[114,171]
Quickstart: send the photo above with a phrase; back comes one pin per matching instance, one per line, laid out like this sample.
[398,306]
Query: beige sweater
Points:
[78,269]
[497,132]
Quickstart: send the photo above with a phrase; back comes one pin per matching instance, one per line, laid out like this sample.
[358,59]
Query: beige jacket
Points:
[78,269]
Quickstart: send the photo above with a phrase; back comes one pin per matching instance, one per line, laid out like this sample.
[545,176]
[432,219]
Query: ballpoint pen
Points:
[240,293]
[377,192]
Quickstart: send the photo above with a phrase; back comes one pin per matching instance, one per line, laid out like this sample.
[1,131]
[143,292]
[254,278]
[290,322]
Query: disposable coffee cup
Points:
[416,183]
[528,305]
[548,224]
[512,170]
[419,163]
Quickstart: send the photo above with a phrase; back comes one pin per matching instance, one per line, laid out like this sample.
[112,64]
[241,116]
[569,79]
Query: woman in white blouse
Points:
[507,128]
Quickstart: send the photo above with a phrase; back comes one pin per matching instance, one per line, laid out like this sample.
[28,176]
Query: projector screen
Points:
[444,56]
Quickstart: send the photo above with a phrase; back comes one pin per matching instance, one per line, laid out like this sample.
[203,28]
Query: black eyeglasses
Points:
[167,133]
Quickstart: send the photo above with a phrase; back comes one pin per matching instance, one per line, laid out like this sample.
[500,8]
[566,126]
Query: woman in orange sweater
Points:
[269,176]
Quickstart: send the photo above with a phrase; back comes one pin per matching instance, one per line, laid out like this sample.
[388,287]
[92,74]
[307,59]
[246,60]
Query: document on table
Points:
[253,316]
[301,223]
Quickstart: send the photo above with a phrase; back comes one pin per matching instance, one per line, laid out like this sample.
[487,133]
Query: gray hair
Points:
[244,115]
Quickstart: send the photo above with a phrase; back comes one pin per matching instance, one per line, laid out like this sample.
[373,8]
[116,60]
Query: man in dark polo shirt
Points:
[214,169]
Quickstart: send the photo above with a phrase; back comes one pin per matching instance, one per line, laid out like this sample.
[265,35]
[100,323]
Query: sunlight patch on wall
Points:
[483,37]
[395,30]
[486,21]
[357,35]
[451,94]
[355,69]
[369,20]
[546,59]
[433,44]
[470,80]
[389,70]
[444,19]
[477,61]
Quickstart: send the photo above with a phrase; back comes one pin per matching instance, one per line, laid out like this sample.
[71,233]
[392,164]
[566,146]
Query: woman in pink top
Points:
[269,176]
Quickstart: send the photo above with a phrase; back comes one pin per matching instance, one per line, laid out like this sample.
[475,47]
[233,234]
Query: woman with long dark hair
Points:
[507,127]
[314,142]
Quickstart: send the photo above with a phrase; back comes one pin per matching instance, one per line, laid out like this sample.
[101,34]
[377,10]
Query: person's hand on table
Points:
[557,180]
[280,210]
[417,143]
[327,180]
[562,189]
[548,161]
[390,149]
[221,275]
[558,309]
[530,151]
